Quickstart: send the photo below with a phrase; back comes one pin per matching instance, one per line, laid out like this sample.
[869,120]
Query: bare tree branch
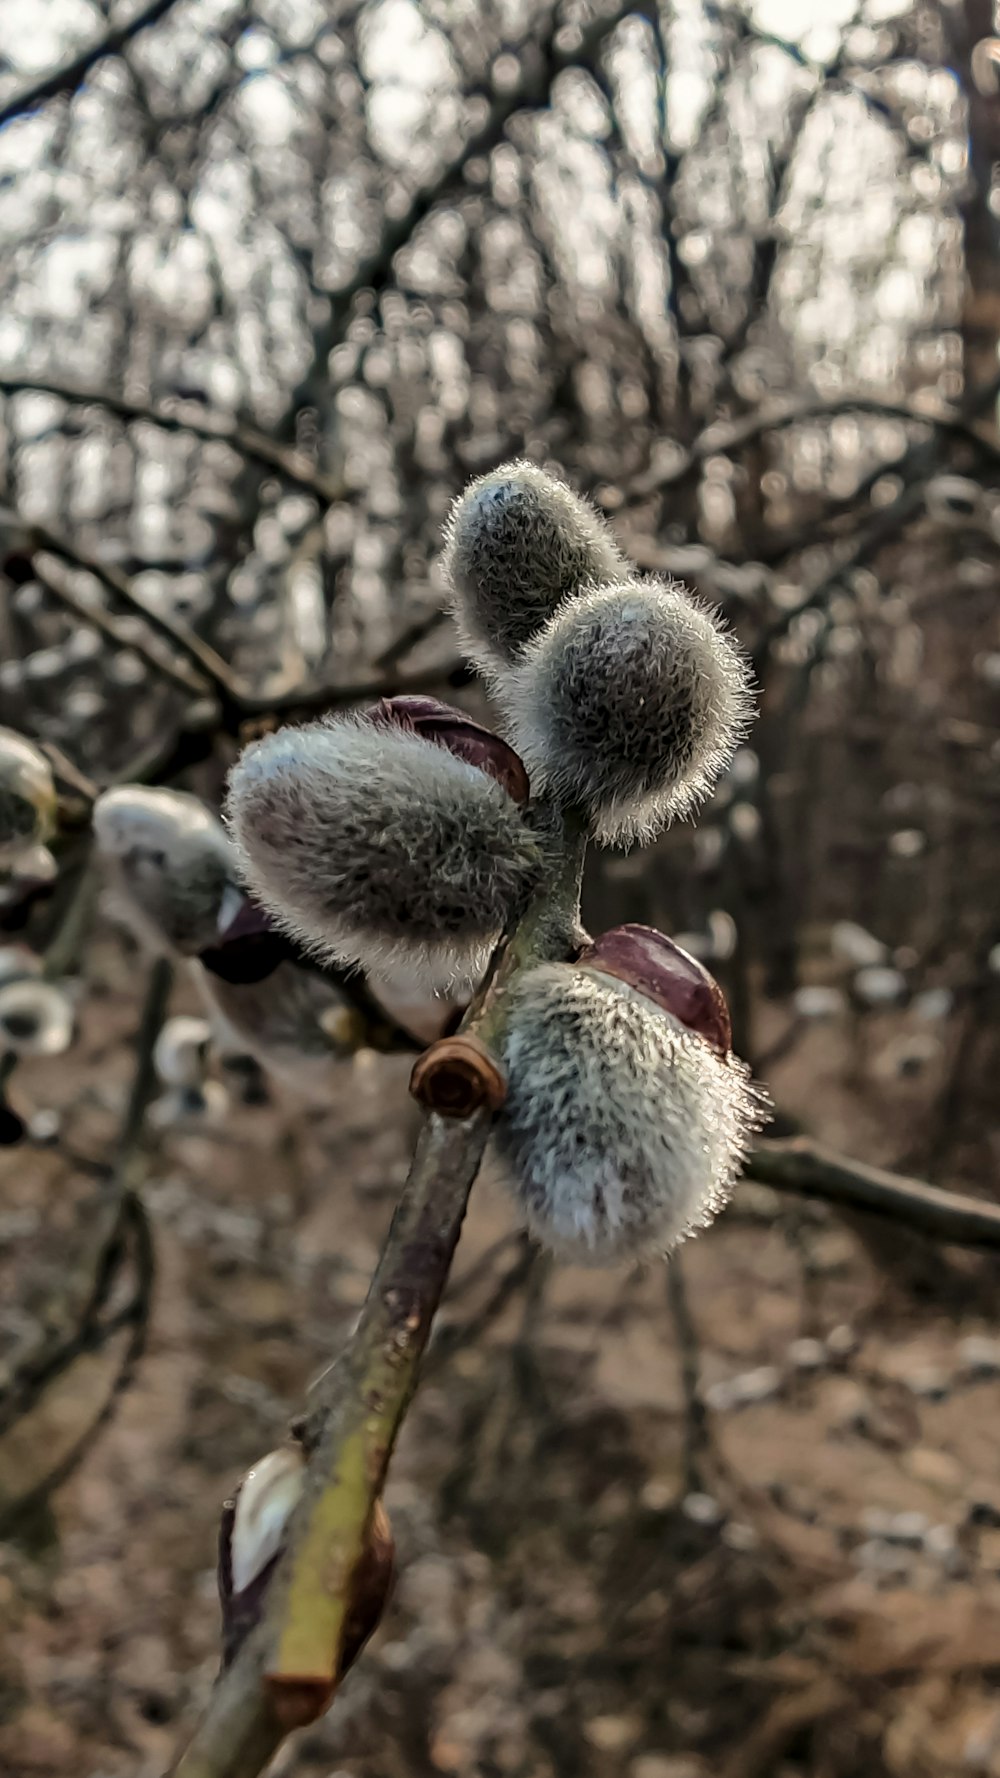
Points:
[293,466]
[797,1164]
[288,1667]
[375,270]
[177,674]
[202,656]
[68,76]
[913,471]
[723,436]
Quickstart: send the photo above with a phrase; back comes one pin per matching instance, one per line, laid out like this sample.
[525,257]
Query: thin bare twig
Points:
[695,1418]
[913,470]
[467,1333]
[409,639]
[199,653]
[375,270]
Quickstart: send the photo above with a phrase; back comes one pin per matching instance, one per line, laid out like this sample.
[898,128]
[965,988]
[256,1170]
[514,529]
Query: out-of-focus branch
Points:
[201,655]
[288,1667]
[913,472]
[887,522]
[375,270]
[202,670]
[69,75]
[177,673]
[797,1164]
[310,700]
[293,466]
[723,436]
[409,639]
[125,1239]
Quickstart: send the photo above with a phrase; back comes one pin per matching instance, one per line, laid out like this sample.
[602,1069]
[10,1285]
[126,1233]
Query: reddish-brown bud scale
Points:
[457,1075]
[652,963]
[466,739]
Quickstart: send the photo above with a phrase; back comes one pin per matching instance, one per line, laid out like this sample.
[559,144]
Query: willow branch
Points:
[202,669]
[797,1164]
[287,1669]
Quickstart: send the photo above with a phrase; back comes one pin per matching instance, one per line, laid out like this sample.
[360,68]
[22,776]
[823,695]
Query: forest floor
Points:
[597,1577]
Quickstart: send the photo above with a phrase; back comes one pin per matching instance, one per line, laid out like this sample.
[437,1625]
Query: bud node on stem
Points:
[456,1076]
[298,1702]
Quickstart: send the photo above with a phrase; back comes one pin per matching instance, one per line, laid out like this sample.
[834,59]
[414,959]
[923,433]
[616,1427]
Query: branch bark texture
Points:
[287,1670]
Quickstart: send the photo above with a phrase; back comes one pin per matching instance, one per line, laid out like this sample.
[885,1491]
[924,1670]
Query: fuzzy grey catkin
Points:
[376,847]
[629,704]
[27,798]
[169,860]
[518,543]
[296,1023]
[622,1131]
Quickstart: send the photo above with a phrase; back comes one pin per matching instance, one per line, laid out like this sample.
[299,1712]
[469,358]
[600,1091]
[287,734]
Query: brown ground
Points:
[590,1585]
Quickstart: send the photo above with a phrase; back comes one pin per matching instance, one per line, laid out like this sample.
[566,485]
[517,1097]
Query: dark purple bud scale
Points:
[465,738]
[659,968]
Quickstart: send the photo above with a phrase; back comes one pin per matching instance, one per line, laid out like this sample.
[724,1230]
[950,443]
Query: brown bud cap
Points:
[457,1075]
[652,963]
[451,728]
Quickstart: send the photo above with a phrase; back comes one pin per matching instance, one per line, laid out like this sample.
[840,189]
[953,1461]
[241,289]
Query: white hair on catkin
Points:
[629,704]
[373,846]
[519,542]
[169,861]
[622,1131]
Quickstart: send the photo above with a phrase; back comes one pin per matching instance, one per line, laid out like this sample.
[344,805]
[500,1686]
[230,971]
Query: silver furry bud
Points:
[518,543]
[377,847]
[264,1503]
[36,1018]
[27,798]
[623,1130]
[180,1053]
[170,862]
[629,705]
